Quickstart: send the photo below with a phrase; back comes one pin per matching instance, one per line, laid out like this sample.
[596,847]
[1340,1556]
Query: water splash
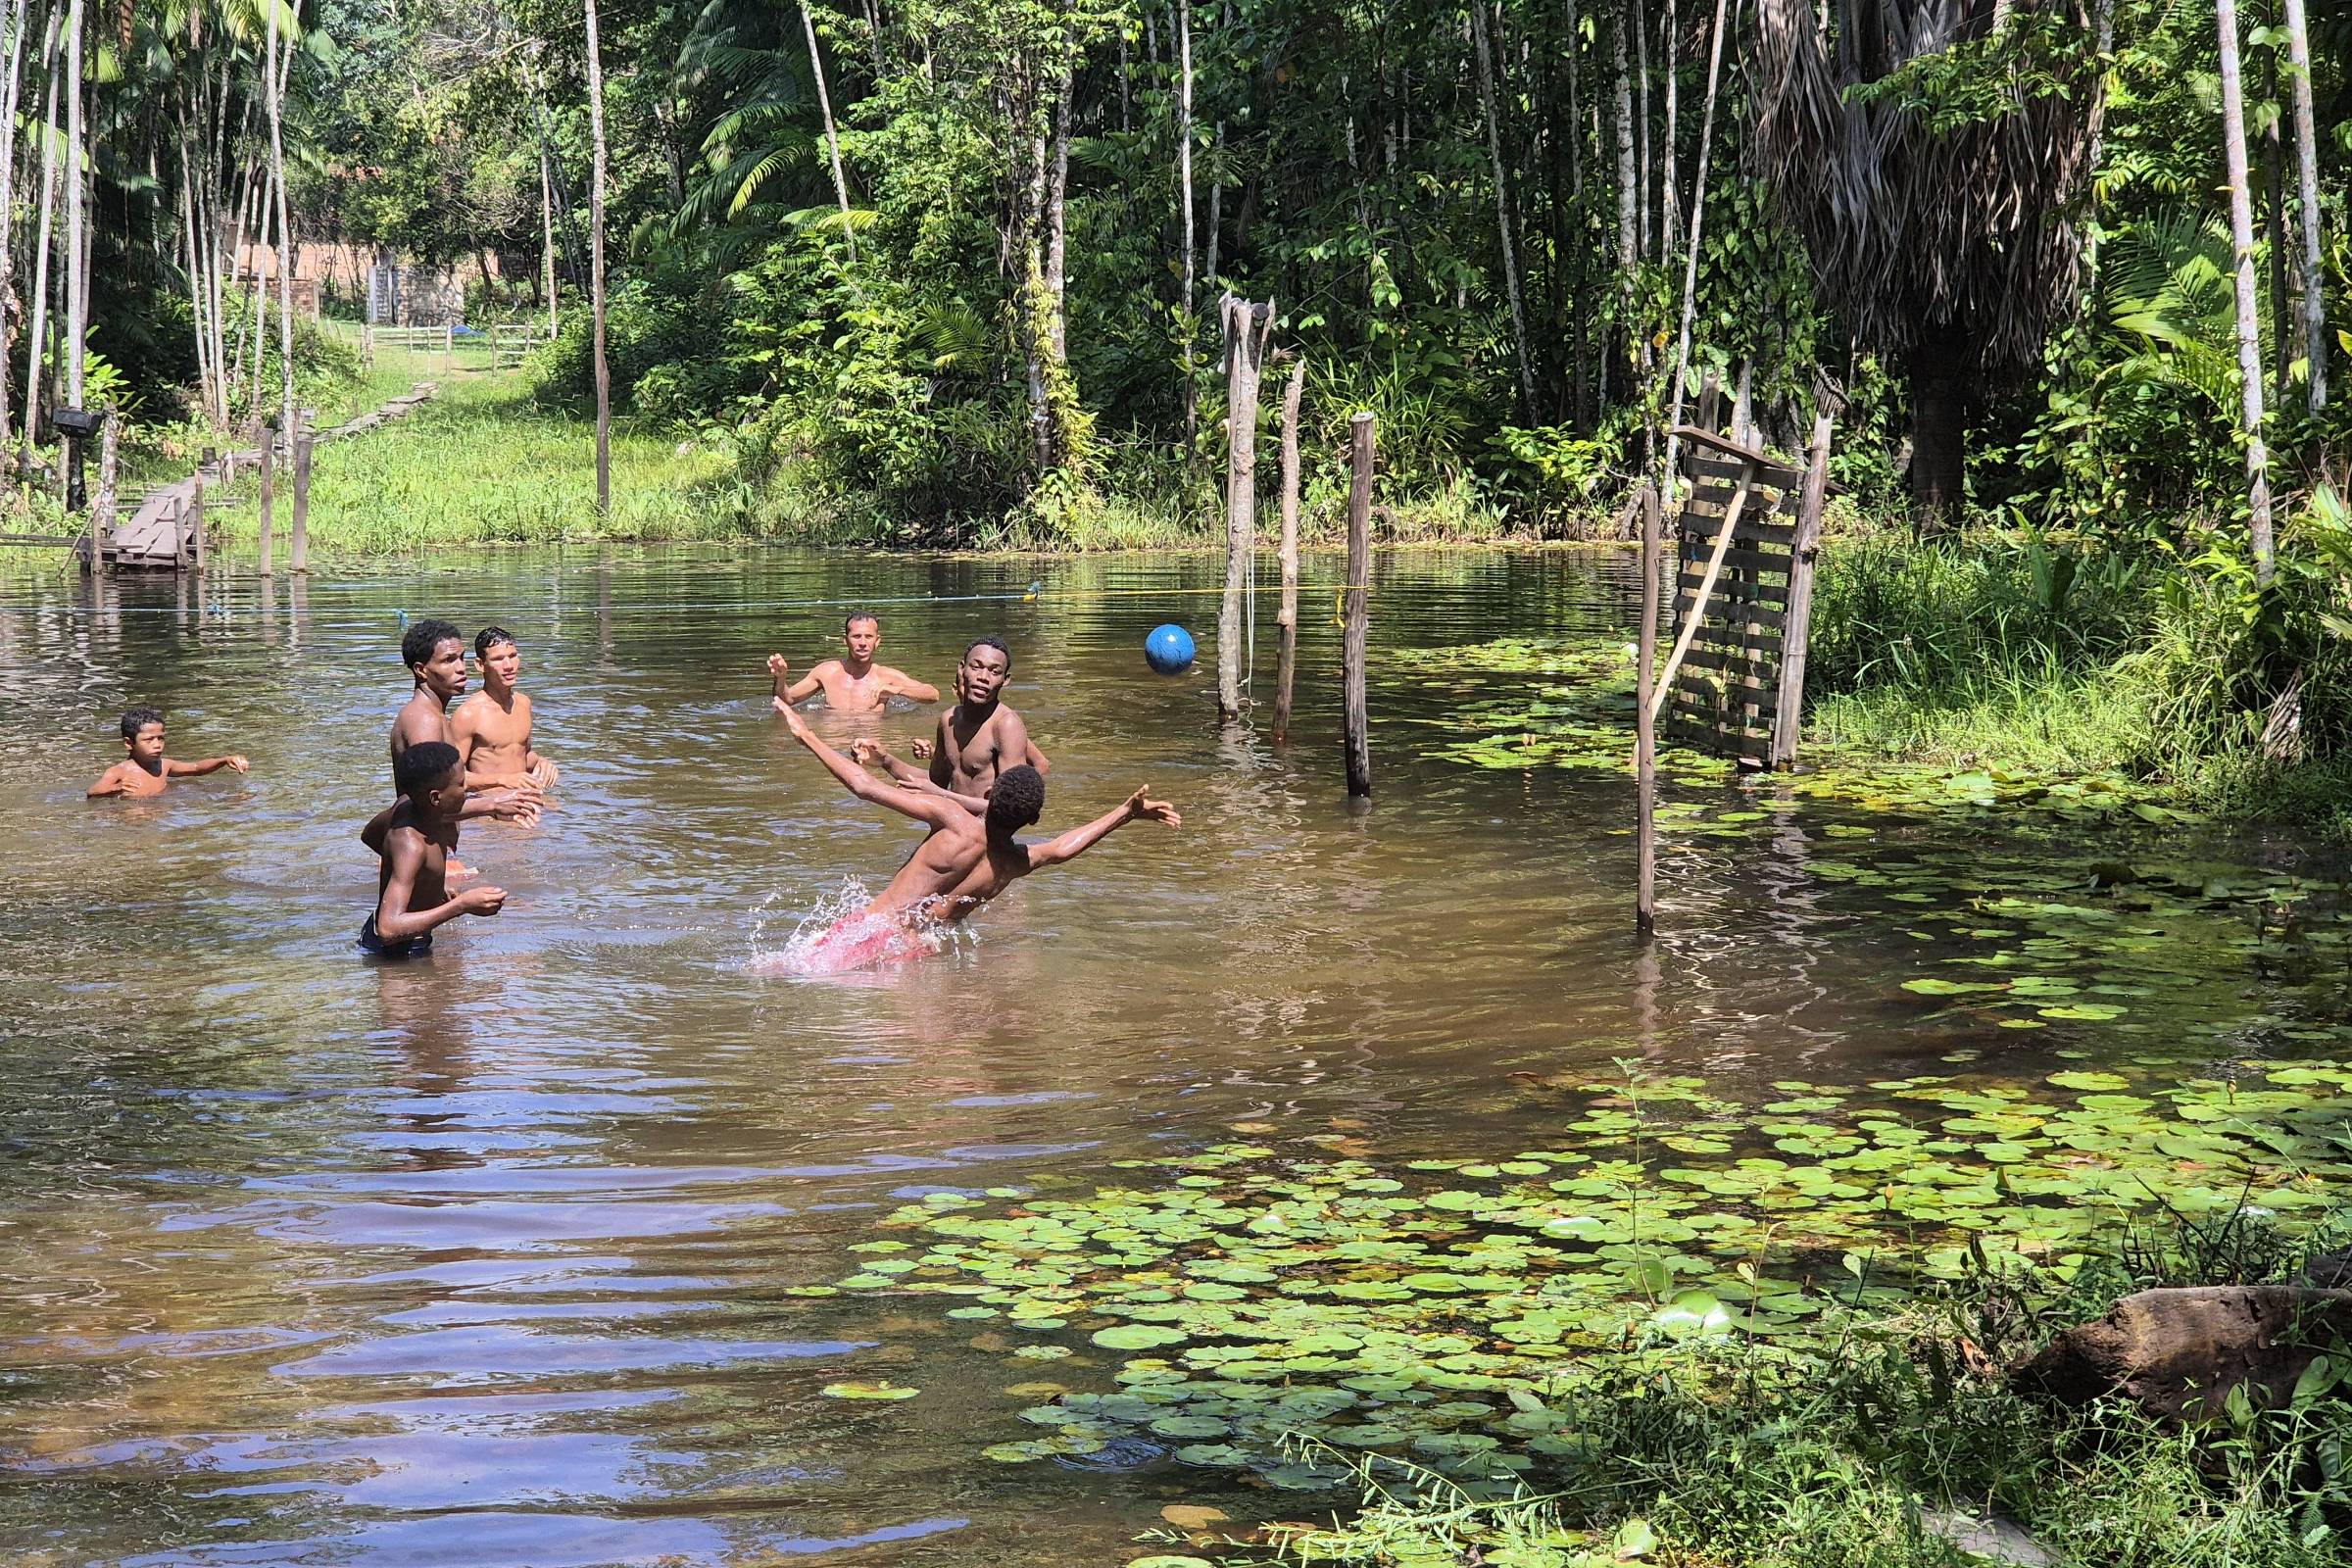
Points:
[838,937]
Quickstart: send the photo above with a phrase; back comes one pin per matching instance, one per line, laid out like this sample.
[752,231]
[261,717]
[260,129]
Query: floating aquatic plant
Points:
[1434,1308]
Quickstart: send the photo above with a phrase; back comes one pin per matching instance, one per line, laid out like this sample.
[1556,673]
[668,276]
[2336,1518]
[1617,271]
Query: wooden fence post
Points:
[1646,723]
[196,512]
[301,562]
[1246,328]
[110,460]
[266,443]
[1287,616]
[1788,710]
[1358,590]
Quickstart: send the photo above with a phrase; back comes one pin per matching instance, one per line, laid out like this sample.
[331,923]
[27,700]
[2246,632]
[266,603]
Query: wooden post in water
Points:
[1287,615]
[301,562]
[1789,711]
[1646,725]
[1358,590]
[196,510]
[1246,328]
[267,445]
[109,462]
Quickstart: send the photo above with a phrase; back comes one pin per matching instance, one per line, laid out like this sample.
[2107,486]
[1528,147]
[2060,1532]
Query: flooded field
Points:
[526,1254]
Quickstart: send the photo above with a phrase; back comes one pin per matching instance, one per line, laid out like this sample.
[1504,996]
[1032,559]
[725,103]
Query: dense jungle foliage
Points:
[949,271]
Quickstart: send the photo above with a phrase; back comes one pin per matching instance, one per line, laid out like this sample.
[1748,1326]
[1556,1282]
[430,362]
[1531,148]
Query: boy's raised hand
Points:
[1141,808]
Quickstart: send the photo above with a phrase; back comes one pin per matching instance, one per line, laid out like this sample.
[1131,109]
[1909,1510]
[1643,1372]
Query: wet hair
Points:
[422,765]
[135,720]
[418,643]
[856,616]
[998,643]
[1017,800]
[490,637]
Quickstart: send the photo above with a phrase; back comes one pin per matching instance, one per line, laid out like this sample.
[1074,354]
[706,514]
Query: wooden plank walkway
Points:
[157,536]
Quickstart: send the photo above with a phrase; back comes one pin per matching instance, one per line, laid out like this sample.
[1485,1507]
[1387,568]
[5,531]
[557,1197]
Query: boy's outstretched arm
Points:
[395,922]
[110,783]
[800,691]
[211,764]
[922,805]
[1137,806]
[905,685]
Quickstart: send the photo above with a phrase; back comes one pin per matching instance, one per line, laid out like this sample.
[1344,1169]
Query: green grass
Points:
[481,465]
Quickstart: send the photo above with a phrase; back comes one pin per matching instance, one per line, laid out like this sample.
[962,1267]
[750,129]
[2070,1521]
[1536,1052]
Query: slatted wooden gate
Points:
[1743,594]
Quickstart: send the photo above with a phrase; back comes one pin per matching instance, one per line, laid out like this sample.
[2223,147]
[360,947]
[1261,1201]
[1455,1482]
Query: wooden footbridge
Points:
[165,531]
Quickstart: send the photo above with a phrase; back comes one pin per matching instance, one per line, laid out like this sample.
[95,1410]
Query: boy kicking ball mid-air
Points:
[967,860]
[492,729]
[854,683]
[414,842]
[147,770]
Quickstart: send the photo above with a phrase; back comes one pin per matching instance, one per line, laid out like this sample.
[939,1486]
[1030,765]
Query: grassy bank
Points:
[2167,663]
[481,465]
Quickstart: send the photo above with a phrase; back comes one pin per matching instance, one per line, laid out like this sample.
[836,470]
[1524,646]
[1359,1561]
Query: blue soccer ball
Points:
[1169,649]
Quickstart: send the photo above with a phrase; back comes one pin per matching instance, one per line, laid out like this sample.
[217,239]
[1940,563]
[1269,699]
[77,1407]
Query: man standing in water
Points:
[966,859]
[855,684]
[492,729]
[980,737]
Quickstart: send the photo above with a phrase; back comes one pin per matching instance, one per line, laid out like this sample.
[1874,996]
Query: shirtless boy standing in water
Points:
[435,652]
[853,684]
[979,738]
[966,859]
[492,729]
[414,840]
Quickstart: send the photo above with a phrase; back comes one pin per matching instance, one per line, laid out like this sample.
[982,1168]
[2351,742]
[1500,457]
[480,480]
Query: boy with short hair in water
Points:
[968,858]
[414,843]
[853,684]
[147,770]
[492,729]
[977,739]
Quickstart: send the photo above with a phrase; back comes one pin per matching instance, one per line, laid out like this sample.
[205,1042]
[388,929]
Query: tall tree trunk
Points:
[2250,339]
[824,104]
[285,229]
[20,18]
[596,263]
[1505,222]
[34,342]
[2307,184]
[2273,168]
[1629,232]
[1057,190]
[1669,192]
[546,244]
[1184,185]
[1640,29]
[77,281]
[1698,223]
[1939,387]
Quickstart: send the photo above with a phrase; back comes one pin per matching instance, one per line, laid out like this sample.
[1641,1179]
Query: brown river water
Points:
[482,1260]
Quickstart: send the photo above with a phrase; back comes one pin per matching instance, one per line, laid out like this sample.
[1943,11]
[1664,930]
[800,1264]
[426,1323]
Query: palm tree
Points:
[1947,236]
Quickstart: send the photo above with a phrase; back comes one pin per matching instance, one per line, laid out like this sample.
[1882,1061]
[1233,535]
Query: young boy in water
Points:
[147,770]
[492,729]
[966,859]
[977,739]
[855,683]
[414,842]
